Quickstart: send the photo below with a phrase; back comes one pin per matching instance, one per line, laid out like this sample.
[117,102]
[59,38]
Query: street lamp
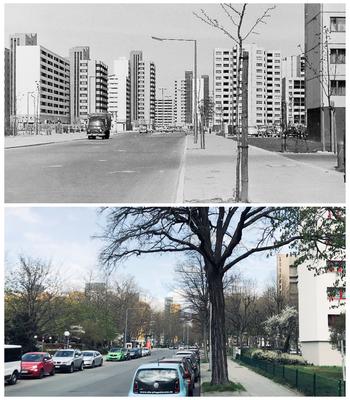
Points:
[66,335]
[195,113]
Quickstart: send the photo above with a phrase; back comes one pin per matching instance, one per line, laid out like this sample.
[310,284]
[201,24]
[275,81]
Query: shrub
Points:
[280,358]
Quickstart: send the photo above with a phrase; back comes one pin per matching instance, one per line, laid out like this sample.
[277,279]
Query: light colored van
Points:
[13,356]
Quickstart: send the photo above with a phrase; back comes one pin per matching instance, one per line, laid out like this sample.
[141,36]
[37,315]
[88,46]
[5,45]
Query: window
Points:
[338,88]
[337,56]
[336,293]
[335,265]
[337,24]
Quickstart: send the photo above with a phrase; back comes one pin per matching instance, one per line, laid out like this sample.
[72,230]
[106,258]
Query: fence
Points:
[310,384]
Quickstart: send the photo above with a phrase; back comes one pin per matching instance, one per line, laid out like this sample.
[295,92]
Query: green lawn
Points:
[327,372]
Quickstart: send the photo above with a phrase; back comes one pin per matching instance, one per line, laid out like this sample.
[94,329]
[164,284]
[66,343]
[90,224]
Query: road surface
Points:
[128,168]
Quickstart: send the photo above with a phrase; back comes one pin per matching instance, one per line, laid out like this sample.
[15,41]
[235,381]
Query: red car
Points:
[37,365]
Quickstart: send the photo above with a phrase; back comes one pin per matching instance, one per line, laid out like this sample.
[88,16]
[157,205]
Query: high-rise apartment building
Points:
[42,85]
[293,90]
[17,39]
[146,93]
[135,59]
[189,97]
[179,102]
[264,87]
[164,115]
[204,100]
[119,94]
[325,72]
[7,103]
[93,88]
[76,55]
[287,278]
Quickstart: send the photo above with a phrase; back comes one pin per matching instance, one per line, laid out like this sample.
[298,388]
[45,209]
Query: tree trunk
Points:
[218,333]
[205,339]
[286,344]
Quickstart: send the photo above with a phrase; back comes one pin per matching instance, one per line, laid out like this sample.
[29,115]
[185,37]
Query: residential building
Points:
[325,67]
[180,102]
[168,302]
[264,88]
[164,115]
[287,278]
[320,303]
[7,102]
[76,55]
[93,88]
[189,97]
[42,85]
[204,100]
[146,93]
[135,59]
[17,39]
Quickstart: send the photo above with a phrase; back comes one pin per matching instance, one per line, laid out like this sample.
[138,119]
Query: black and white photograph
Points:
[175,103]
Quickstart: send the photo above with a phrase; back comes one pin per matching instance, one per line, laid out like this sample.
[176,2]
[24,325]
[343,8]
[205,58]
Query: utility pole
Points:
[244,142]
[195,94]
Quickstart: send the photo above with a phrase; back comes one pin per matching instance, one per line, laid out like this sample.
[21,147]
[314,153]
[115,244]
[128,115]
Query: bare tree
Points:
[217,234]
[238,31]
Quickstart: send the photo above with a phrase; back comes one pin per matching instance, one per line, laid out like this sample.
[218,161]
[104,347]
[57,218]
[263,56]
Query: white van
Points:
[13,356]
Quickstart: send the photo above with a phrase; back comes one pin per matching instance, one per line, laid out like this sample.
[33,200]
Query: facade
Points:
[264,85]
[76,55]
[204,102]
[7,103]
[119,95]
[319,307]
[325,80]
[189,97]
[287,278]
[135,59]
[42,85]
[146,93]
[93,88]
[164,115]
[168,302]
[180,102]
[17,39]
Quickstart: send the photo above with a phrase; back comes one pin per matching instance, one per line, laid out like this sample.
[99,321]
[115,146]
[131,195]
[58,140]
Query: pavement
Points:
[209,175]
[254,384]
[41,139]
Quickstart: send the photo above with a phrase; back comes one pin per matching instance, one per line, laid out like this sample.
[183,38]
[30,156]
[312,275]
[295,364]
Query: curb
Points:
[181,178]
[41,144]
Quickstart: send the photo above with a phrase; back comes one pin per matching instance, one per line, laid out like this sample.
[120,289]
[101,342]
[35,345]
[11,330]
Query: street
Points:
[112,379]
[126,169]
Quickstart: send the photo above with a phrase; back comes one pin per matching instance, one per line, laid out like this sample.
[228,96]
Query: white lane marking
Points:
[122,172]
[54,166]
[120,150]
[102,160]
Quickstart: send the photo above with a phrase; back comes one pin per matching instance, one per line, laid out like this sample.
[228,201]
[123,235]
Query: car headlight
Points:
[34,367]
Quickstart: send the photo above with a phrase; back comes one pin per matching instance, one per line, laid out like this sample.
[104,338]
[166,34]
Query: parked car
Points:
[145,352]
[135,352]
[92,358]
[143,129]
[118,354]
[189,372]
[12,370]
[193,359]
[37,365]
[68,360]
[159,379]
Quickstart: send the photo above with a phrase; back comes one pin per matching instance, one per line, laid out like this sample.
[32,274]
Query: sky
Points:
[64,236]
[113,30]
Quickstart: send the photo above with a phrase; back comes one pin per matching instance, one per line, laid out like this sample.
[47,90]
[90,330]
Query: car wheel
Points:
[14,378]
[101,362]
[41,374]
[93,364]
[52,373]
[81,366]
[71,368]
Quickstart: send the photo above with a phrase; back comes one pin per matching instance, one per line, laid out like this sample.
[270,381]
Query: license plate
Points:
[57,366]
[24,372]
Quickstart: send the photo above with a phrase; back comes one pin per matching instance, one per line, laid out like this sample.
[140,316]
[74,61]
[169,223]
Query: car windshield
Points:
[64,353]
[32,357]
[88,354]
[156,380]
[115,350]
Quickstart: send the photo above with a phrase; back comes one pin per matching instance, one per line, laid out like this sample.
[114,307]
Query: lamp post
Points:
[195,108]
[66,335]
[162,89]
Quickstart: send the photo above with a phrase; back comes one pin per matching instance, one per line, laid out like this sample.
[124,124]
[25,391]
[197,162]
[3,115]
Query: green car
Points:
[118,354]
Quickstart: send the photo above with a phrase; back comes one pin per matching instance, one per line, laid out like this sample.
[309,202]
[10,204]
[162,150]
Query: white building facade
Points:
[164,115]
[146,93]
[180,102]
[42,85]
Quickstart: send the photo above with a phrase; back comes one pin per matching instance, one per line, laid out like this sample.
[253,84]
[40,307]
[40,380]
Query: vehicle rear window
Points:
[160,381]
[32,357]
[64,353]
[88,354]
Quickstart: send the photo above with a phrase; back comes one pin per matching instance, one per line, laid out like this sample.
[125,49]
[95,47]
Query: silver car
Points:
[68,360]
[92,358]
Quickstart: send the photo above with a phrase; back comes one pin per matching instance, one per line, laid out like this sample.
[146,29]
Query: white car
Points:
[92,358]
[13,356]
[145,352]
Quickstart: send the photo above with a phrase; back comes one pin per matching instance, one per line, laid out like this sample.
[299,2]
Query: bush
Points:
[280,358]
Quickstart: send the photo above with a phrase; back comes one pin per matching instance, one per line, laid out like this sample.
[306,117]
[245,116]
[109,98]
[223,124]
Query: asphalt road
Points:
[112,379]
[124,169]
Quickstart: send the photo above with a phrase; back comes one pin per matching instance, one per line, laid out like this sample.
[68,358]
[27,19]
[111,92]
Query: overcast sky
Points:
[64,236]
[113,30]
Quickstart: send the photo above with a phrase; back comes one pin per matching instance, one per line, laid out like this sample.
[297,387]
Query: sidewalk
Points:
[209,175]
[254,384]
[37,140]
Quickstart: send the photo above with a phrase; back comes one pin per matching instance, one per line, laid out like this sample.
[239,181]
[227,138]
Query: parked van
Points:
[13,355]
